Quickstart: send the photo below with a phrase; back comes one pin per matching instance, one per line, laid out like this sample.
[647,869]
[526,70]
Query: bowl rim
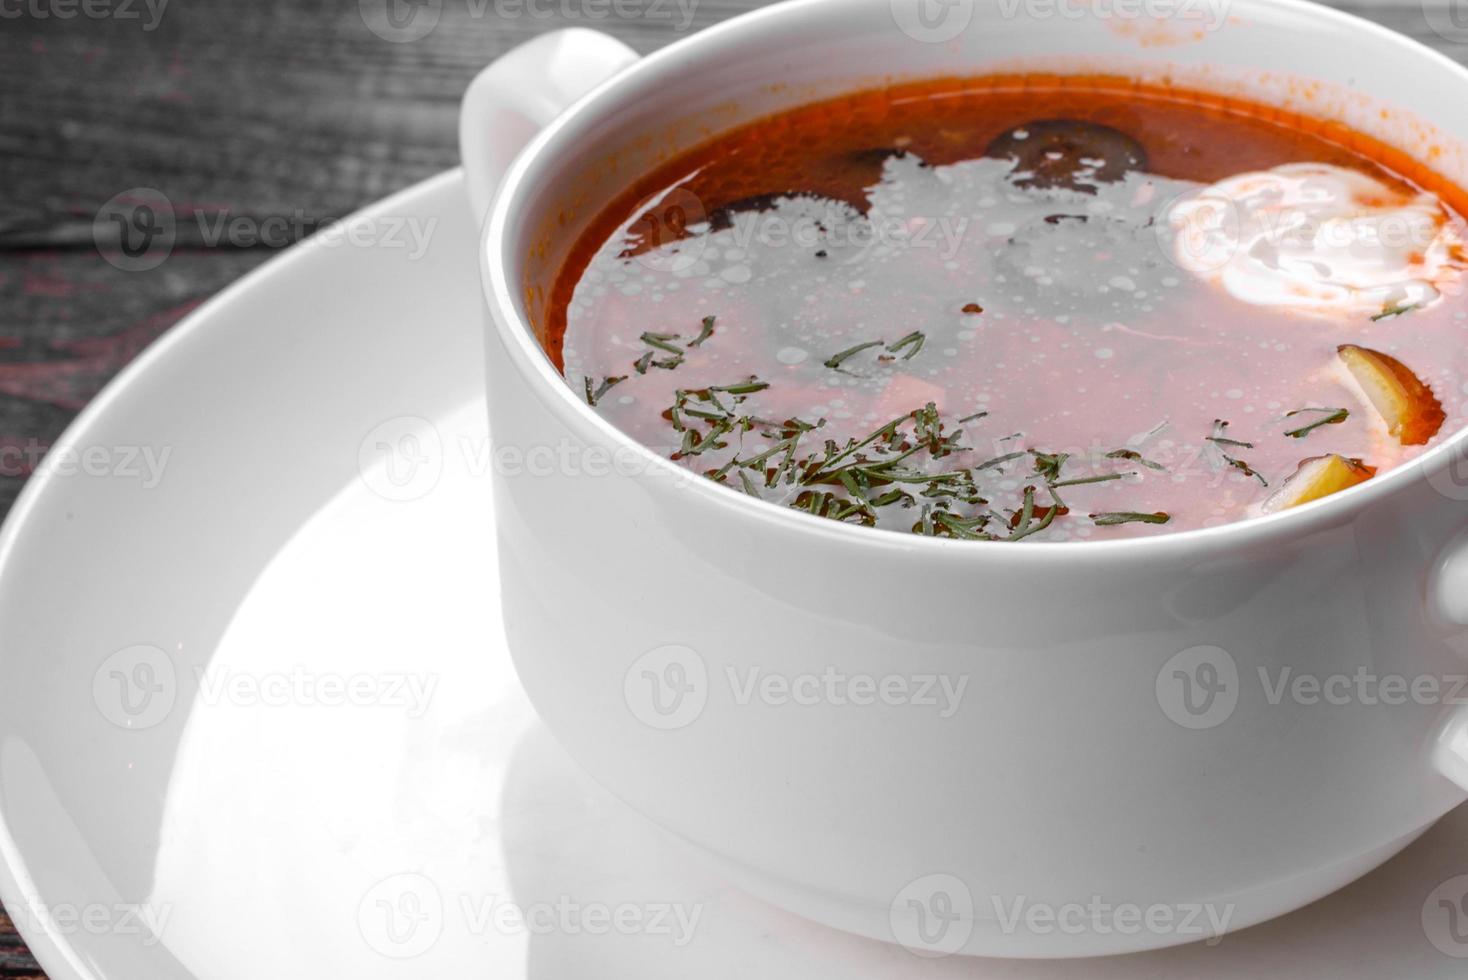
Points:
[499,238]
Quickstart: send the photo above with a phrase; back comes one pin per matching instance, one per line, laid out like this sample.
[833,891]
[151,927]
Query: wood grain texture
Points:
[15,960]
[240,109]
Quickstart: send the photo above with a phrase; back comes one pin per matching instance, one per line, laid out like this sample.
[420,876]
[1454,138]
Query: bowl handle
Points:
[1448,594]
[523,90]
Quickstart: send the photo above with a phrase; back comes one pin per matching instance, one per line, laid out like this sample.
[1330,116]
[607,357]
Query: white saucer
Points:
[323,514]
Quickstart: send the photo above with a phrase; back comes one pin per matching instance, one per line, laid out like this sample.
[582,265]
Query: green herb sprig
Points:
[669,344]
[607,384]
[1220,439]
[835,361]
[909,347]
[1332,416]
[1133,456]
[1129,517]
[1399,309]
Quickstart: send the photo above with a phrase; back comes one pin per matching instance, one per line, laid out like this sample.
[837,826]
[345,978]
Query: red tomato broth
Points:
[1087,359]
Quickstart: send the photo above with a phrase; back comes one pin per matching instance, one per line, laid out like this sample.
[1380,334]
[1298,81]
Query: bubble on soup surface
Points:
[1068,259]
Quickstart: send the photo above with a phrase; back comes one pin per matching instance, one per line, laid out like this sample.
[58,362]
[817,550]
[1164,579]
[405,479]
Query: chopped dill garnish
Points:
[835,361]
[1049,465]
[1219,439]
[1106,478]
[1113,520]
[1000,461]
[706,331]
[868,480]
[1333,416]
[915,340]
[1245,469]
[607,384]
[744,388]
[662,341]
[1136,457]
[1025,524]
[667,343]
[1400,309]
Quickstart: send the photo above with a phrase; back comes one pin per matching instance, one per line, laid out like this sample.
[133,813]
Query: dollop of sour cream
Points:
[1317,239]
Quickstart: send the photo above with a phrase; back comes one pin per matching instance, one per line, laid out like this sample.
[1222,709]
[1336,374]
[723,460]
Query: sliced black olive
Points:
[1068,153]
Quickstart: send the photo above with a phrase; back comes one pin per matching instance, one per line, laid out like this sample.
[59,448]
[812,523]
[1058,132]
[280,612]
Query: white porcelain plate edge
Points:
[276,530]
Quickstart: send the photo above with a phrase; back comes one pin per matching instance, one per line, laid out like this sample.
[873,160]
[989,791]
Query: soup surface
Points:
[989,310]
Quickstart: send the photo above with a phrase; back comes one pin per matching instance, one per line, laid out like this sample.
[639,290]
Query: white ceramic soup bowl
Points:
[1014,750]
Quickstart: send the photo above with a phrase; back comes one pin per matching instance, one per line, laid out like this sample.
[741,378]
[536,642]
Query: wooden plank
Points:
[258,108]
[16,962]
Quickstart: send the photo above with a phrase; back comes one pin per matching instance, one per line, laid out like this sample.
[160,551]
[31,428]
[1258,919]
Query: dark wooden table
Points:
[240,110]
